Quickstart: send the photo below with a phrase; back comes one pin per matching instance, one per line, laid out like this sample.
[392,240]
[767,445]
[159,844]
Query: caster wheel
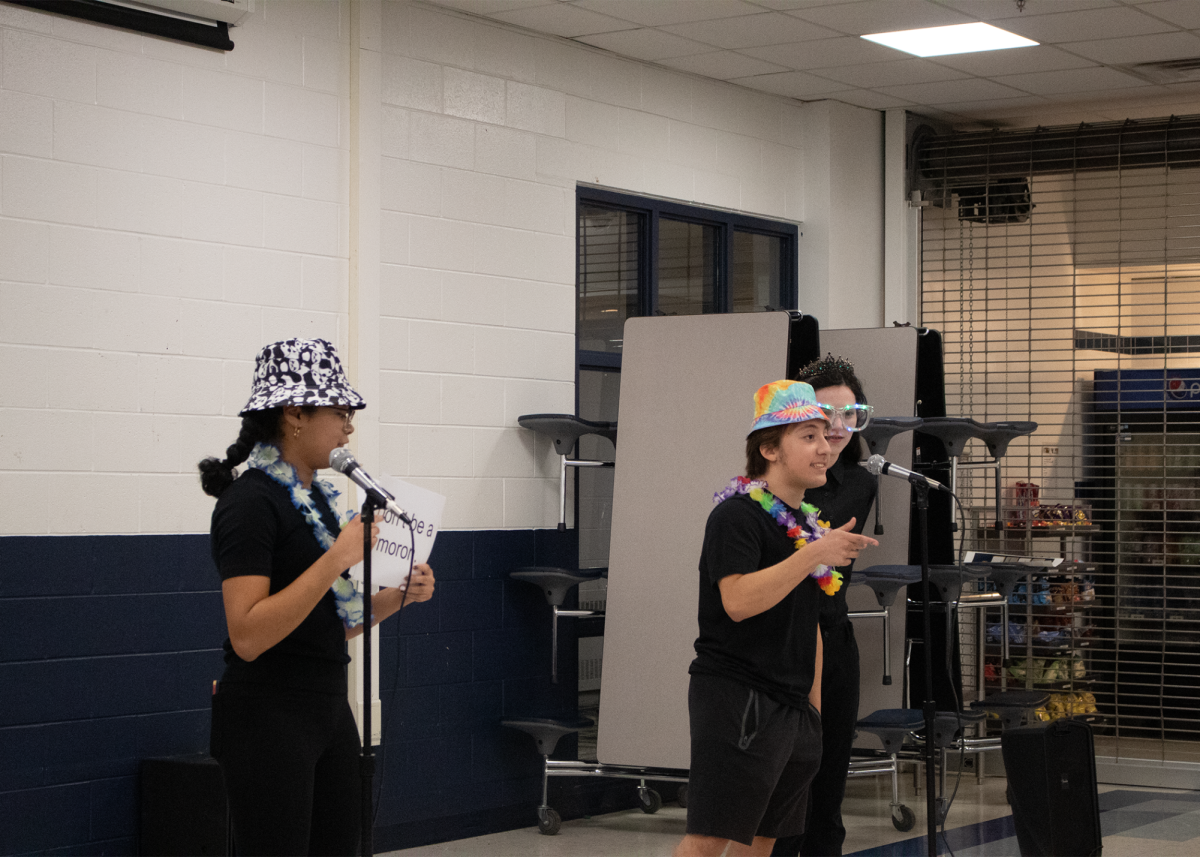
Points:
[681,798]
[549,822]
[903,818]
[649,800]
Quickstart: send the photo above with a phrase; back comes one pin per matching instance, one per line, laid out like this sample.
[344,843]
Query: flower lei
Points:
[827,578]
[346,592]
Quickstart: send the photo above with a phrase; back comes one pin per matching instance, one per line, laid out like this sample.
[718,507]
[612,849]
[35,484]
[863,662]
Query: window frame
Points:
[652,209]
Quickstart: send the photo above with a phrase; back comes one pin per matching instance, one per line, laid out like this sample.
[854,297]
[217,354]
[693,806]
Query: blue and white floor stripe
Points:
[1156,816]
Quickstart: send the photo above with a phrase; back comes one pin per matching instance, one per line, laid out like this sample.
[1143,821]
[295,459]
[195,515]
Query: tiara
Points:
[827,364]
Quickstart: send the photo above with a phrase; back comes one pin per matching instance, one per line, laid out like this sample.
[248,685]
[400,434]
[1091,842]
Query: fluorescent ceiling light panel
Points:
[955,39]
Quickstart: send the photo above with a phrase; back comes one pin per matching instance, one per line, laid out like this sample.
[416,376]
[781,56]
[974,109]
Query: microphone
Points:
[878,464]
[342,460]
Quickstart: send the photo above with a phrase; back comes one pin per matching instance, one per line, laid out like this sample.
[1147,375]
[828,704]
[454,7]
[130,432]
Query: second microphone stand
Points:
[929,707]
[368,749]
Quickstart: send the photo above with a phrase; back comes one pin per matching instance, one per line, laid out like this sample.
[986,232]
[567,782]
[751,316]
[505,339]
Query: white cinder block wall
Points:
[487,131]
[166,209]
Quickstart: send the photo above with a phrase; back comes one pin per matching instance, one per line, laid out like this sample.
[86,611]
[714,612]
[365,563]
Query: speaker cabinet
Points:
[183,807]
[1052,789]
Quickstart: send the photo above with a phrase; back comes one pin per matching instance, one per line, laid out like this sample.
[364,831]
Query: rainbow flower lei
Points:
[813,528]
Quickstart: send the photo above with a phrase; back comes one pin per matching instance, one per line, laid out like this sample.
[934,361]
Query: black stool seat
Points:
[946,725]
[880,431]
[998,435]
[954,432]
[885,580]
[566,429]
[1012,705]
[948,580]
[891,725]
[547,731]
[555,582]
[1004,574]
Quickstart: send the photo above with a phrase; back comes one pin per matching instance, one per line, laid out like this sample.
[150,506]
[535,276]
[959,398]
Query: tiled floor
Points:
[1134,823]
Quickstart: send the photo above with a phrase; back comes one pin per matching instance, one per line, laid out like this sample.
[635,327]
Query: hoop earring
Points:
[296,433]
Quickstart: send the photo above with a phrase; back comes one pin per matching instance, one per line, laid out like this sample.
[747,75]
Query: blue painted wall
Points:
[109,646]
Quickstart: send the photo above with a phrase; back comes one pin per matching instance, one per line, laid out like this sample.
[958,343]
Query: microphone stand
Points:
[921,490]
[368,749]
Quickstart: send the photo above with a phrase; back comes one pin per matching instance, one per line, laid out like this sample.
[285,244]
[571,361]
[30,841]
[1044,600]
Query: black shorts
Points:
[752,762]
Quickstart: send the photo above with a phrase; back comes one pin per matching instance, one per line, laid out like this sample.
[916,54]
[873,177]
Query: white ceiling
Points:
[810,50]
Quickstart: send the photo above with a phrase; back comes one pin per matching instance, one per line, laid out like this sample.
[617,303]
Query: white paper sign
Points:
[390,560]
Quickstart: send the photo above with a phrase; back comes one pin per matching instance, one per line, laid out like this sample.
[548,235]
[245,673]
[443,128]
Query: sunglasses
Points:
[852,417]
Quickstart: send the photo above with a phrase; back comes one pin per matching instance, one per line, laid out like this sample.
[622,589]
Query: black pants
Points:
[290,759]
[824,832]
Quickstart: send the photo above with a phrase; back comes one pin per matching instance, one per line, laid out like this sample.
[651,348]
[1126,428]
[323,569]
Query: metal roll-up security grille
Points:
[1062,267]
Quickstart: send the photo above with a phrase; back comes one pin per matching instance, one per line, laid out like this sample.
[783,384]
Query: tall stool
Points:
[878,434]
[545,733]
[565,430]
[891,726]
[555,583]
[954,432]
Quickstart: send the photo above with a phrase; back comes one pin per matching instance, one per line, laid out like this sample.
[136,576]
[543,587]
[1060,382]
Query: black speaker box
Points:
[1052,789]
[183,807]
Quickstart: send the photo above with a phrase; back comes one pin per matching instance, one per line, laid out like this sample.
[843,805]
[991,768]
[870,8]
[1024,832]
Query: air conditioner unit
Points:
[227,11]
[198,22]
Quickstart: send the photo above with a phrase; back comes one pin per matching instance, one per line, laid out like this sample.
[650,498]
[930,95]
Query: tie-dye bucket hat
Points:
[782,402]
[300,372]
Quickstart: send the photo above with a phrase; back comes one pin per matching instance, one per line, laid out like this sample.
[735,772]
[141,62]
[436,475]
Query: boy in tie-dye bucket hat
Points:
[755,693]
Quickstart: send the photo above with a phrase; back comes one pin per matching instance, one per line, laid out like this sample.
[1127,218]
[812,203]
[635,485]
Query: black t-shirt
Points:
[257,530]
[847,493]
[774,652]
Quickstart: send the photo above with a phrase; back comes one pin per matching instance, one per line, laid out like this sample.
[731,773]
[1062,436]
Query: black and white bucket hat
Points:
[300,372]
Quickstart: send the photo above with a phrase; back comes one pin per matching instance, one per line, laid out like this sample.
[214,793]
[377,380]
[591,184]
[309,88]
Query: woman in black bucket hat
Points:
[282,729]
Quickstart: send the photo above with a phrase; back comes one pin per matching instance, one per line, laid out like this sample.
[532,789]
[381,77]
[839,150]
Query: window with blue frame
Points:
[639,256]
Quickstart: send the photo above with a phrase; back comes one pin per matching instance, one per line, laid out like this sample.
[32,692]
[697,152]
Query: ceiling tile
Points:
[722,65]
[1071,80]
[1104,101]
[890,73]
[1015,61]
[660,12]
[562,19]
[992,106]
[968,89]
[998,10]
[794,84]
[825,53]
[1185,13]
[1138,49]
[787,5]
[750,31]
[870,99]
[489,7]
[646,43]
[1086,25]
[881,16]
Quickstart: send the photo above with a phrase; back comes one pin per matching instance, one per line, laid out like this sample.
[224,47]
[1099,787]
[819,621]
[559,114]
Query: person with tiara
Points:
[282,729]
[846,496]
[754,697]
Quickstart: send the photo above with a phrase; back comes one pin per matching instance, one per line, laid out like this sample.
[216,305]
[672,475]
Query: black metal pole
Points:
[368,750]
[929,707]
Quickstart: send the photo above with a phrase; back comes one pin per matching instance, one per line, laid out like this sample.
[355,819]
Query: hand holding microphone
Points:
[342,460]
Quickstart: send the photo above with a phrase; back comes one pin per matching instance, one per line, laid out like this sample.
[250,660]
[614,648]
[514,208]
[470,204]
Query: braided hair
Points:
[832,371]
[257,427]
